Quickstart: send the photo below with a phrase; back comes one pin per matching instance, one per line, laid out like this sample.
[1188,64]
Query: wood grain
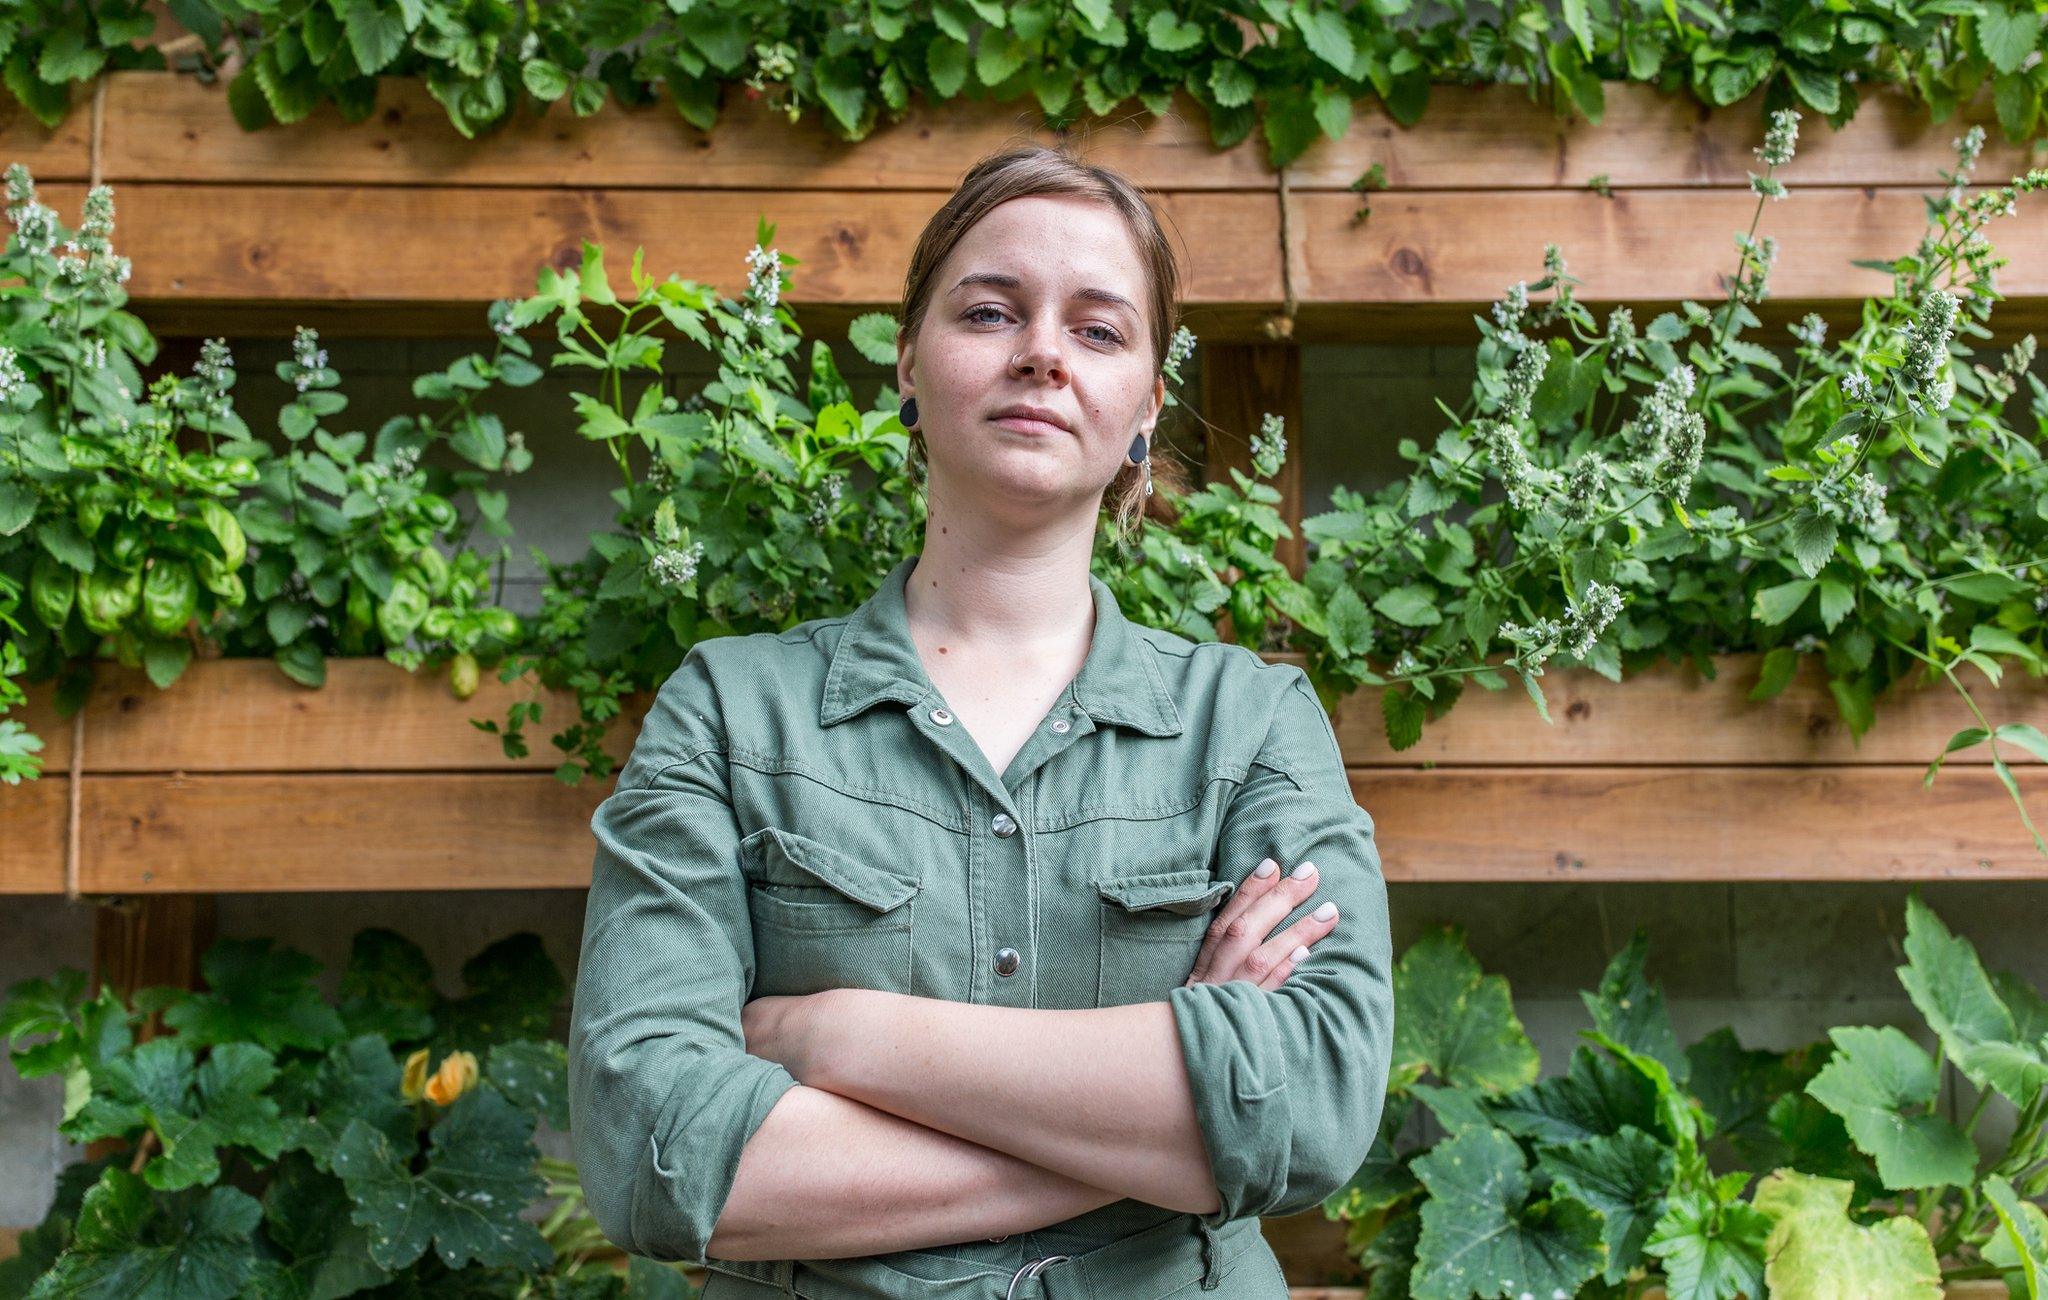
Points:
[236,779]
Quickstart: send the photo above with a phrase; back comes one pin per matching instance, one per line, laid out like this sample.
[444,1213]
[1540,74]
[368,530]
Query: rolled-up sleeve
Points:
[1289,1082]
[663,1095]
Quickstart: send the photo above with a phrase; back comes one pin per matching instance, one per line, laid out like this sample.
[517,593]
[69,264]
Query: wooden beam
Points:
[1241,384]
[146,940]
[1666,776]
[161,126]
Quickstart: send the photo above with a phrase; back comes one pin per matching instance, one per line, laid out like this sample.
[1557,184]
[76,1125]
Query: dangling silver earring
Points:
[1141,454]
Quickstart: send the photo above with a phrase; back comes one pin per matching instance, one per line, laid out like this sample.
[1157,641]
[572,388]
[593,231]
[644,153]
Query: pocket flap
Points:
[784,857]
[1186,892]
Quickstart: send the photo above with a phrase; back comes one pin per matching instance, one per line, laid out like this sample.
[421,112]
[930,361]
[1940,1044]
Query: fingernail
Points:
[1305,869]
[1300,951]
[1326,911]
[1266,868]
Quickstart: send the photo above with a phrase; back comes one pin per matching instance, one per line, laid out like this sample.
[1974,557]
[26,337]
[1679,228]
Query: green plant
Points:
[1293,69]
[145,522]
[1866,501]
[739,508]
[277,1144]
[1629,1168]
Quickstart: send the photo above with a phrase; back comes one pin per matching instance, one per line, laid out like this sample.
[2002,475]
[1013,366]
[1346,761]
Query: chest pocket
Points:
[824,919]
[1152,927]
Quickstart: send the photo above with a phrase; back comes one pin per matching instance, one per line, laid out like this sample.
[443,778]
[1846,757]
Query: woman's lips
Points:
[1025,424]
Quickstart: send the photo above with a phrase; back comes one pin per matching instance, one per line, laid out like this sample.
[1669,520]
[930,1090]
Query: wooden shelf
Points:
[350,226]
[237,779]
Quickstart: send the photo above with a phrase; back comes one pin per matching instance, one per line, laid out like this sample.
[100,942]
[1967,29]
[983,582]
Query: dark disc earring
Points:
[1139,454]
[907,413]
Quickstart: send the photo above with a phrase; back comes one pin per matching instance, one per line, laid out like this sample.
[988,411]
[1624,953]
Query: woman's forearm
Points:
[826,1177]
[1097,1095]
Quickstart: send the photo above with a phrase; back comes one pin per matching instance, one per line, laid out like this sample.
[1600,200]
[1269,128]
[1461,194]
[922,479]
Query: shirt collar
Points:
[876,660]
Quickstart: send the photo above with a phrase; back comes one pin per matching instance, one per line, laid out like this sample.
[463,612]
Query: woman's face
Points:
[1042,302]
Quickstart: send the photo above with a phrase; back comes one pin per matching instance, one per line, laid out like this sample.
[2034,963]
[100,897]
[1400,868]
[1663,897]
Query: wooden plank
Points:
[287,832]
[1668,714]
[284,833]
[1443,247]
[54,155]
[242,715]
[32,826]
[391,247]
[1491,137]
[387,249]
[163,127]
[1613,824]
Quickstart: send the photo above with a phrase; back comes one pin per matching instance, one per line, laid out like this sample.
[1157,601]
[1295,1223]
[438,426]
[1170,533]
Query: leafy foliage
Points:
[1291,69]
[1628,1169]
[274,1146]
[144,520]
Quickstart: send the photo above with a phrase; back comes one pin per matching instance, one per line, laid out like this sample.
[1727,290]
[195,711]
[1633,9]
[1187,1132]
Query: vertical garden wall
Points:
[1654,500]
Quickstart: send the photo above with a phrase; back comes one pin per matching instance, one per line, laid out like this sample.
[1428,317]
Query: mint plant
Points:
[750,505]
[1608,498]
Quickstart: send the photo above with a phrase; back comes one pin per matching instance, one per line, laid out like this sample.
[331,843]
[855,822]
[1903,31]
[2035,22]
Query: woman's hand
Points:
[1237,946]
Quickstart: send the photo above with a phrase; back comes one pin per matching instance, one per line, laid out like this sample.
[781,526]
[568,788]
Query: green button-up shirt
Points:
[801,812]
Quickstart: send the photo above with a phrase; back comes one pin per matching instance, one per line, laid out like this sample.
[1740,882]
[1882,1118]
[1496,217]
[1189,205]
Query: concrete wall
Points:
[1780,963]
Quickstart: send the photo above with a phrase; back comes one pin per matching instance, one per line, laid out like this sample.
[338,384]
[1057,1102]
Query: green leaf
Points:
[534,1075]
[357,1082]
[1816,1253]
[1169,32]
[514,986]
[1623,1176]
[306,1211]
[2021,1245]
[1455,1023]
[1597,1096]
[1483,1235]
[1325,34]
[257,995]
[1630,1009]
[1882,1084]
[124,1245]
[1711,1251]
[17,507]
[387,988]
[1411,606]
[1947,983]
[2008,35]
[873,335]
[479,1175]
[376,35]
[1776,604]
[194,1112]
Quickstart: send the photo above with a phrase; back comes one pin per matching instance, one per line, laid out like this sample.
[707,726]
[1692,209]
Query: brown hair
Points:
[1038,169]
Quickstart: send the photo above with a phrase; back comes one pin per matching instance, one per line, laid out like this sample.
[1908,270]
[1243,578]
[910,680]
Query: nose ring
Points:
[1033,1269]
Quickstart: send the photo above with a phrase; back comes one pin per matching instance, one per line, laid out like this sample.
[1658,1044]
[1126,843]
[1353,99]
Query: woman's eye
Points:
[973,315]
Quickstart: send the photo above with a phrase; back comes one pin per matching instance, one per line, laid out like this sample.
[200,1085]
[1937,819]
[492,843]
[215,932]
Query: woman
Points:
[937,950]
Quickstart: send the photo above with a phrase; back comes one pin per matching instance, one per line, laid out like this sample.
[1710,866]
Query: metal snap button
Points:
[942,717]
[1007,961]
[1003,824]
[1061,725]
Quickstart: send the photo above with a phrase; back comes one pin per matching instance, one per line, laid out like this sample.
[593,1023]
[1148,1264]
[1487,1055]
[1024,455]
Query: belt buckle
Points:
[1032,1269]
